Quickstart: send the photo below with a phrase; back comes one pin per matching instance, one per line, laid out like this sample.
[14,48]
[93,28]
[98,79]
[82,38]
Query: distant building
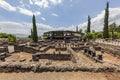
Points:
[63,35]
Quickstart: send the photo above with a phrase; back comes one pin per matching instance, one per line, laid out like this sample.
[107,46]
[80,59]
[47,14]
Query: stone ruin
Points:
[62,52]
[39,52]
[59,46]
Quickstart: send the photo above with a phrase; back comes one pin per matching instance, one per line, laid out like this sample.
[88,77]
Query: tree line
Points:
[111,31]
[10,37]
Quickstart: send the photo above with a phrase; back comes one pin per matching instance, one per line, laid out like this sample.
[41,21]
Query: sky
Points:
[16,15]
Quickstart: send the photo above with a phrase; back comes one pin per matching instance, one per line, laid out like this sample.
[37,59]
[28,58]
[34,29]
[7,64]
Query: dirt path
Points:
[50,51]
[18,56]
[84,59]
[112,76]
[110,59]
[60,76]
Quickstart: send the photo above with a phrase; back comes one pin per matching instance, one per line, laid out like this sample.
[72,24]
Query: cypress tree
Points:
[80,30]
[31,33]
[89,24]
[113,29]
[76,28]
[105,29]
[34,30]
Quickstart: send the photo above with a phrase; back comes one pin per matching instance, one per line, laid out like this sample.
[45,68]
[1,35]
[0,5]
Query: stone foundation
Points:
[25,49]
[114,50]
[44,67]
[52,57]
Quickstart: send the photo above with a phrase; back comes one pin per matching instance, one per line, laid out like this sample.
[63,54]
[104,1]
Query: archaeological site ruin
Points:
[58,55]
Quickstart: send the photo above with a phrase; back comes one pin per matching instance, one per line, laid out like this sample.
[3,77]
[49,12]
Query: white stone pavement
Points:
[110,42]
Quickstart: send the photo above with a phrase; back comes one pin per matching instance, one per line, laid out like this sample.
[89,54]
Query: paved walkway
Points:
[115,43]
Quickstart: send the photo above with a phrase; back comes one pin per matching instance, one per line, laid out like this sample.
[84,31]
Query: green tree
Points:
[88,25]
[99,34]
[34,30]
[106,18]
[31,33]
[88,36]
[112,28]
[93,31]
[80,30]
[4,35]
[76,28]
[12,38]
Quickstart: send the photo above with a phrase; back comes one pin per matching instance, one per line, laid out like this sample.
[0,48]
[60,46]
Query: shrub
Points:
[88,36]
[12,38]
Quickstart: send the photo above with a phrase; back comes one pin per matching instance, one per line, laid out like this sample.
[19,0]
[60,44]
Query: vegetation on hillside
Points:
[10,37]
[111,31]
[114,33]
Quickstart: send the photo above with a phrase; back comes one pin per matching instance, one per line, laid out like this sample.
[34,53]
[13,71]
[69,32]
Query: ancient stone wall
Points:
[3,41]
[114,50]
[45,49]
[46,67]
[73,54]
[24,48]
[3,49]
[53,56]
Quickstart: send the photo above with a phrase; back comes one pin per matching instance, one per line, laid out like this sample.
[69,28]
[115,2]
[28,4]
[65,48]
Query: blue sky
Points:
[16,15]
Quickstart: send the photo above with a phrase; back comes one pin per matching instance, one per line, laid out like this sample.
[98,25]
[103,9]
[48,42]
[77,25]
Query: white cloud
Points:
[31,2]
[37,13]
[24,28]
[41,28]
[54,14]
[42,3]
[28,12]
[23,6]
[7,6]
[43,18]
[13,28]
[56,1]
[98,21]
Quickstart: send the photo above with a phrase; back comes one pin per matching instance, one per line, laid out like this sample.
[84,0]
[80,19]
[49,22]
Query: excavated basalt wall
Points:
[47,48]
[25,49]
[53,56]
[41,67]
[3,49]
[74,57]
[114,50]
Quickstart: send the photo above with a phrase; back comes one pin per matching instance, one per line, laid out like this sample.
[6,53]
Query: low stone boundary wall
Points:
[73,54]
[40,67]
[23,48]
[44,50]
[61,49]
[3,56]
[51,56]
[79,48]
[93,55]
[3,41]
[114,50]
[3,49]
